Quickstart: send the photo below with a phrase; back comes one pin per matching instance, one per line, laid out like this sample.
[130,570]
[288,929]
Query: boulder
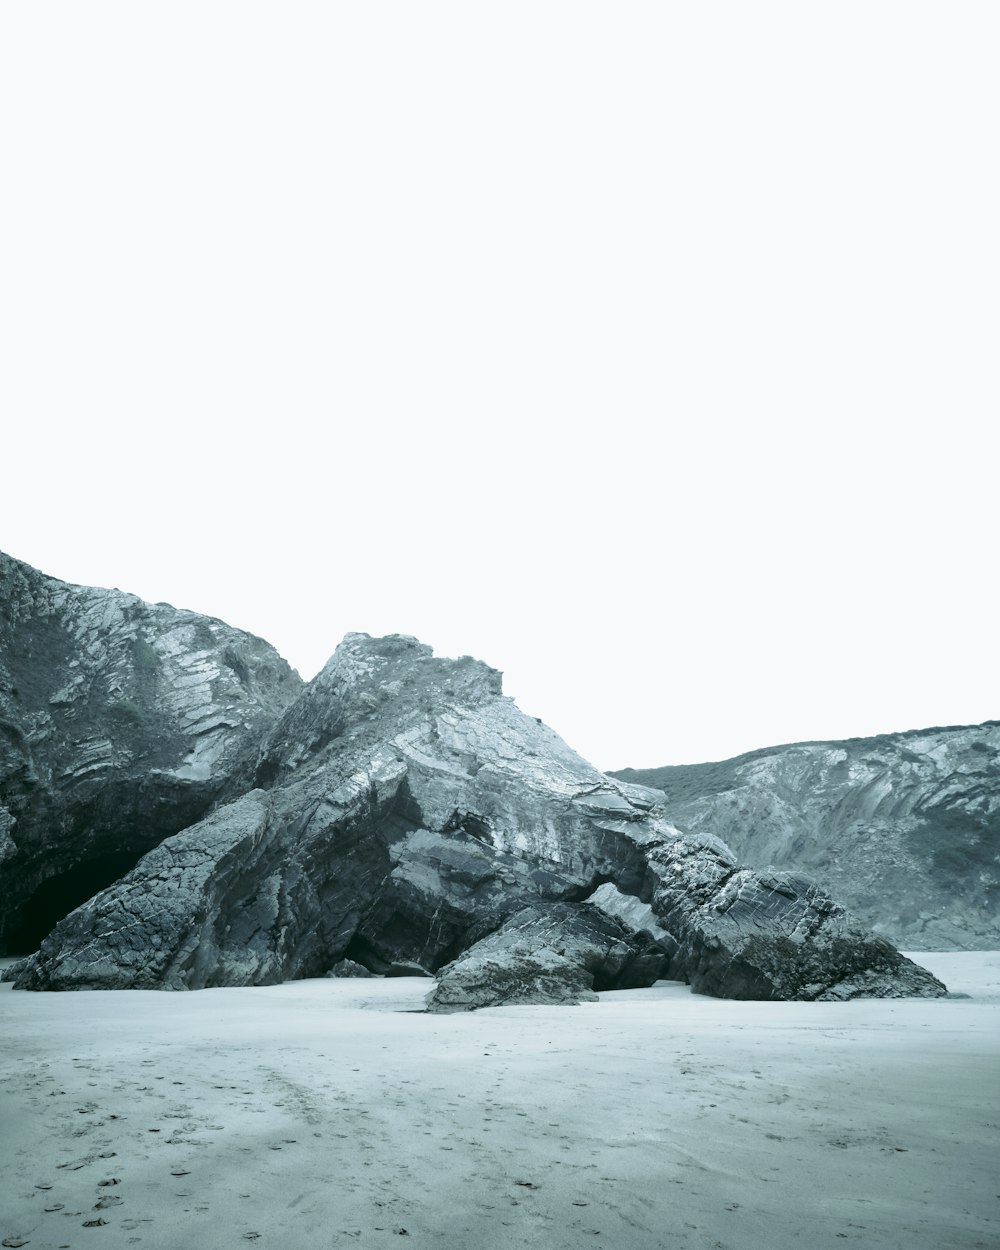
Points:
[348,968]
[553,954]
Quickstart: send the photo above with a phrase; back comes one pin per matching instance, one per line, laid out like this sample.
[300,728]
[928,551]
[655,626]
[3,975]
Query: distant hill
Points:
[904,828]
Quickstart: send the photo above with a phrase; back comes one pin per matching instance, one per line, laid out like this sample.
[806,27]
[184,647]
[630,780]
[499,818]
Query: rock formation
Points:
[904,828]
[120,722]
[402,811]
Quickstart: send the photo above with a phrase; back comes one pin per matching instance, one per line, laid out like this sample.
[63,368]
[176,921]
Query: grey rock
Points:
[631,911]
[904,829]
[120,723]
[404,811]
[779,937]
[406,968]
[349,968]
[552,954]
[168,923]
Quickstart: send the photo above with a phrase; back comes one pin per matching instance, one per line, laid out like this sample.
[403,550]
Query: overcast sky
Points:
[645,351]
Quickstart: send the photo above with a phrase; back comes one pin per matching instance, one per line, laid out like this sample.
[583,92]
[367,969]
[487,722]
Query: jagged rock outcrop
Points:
[553,954]
[904,829]
[350,968]
[404,811]
[120,722]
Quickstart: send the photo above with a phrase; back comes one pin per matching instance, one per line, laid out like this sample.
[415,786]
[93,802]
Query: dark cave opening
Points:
[57,896]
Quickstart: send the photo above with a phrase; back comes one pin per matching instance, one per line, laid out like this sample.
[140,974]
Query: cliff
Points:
[404,813]
[120,723]
[904,829]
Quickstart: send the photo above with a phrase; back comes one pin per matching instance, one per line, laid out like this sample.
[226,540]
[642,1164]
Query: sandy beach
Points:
[337,1113]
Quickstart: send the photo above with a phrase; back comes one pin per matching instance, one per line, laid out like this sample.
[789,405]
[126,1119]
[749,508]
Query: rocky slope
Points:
[403,811]
[120,722]
[904,829]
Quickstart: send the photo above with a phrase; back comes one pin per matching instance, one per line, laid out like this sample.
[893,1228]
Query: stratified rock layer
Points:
[406,813]
[904,829]
[120,722]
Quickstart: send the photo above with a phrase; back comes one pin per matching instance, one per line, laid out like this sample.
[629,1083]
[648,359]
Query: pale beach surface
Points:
[336,1113]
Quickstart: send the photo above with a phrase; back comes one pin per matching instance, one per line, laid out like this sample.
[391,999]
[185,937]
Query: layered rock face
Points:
[904,829]
[403,812]
[120,722]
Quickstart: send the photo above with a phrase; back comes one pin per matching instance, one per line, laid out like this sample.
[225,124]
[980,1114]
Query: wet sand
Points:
[337,1113]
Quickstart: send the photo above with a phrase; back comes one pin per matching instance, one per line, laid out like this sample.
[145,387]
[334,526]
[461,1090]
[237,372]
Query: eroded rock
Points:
[903,829]
[552,954]
[349,968]
[405,812]
[120,722]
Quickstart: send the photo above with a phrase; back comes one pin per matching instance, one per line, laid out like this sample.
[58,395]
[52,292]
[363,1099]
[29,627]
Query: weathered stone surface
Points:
[552,954]
[349,968]
[406,968]
[120,721]
[904,829]
[405,811]
[167,923]
[769,935]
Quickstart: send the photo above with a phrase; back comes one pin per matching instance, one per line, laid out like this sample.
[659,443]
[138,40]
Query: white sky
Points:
[647,351]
